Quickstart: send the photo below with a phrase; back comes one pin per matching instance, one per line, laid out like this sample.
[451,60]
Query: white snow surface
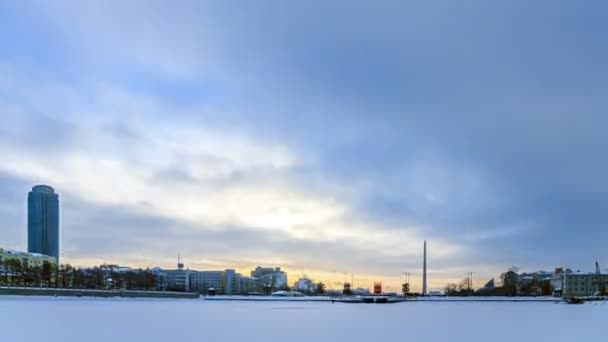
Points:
[154,320]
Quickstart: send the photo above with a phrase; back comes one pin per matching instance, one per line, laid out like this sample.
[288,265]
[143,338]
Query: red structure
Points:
[377,288]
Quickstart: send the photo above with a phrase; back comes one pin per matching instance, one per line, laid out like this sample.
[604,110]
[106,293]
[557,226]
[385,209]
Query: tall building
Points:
[43,221]
[424,271]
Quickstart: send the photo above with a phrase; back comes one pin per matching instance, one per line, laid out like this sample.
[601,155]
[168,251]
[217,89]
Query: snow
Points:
[273,298]
[95,320]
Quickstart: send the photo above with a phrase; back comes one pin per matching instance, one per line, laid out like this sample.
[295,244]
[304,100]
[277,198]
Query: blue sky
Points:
[325,137]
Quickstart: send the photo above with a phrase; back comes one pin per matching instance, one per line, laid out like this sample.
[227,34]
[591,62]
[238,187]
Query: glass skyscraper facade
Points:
[43,221]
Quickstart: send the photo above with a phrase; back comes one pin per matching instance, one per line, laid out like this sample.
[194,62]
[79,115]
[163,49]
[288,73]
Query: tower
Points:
[180,264]
[43,221]
[424,271]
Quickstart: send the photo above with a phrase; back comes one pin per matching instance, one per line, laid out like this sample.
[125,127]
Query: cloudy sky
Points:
[322,136]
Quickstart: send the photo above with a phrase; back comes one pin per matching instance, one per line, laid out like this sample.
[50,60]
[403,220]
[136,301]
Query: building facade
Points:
[226,282]
[305,285]
[177,280]
[231,284]
[557,282]
[27,260]
[584,284]
[247,285]
[203,281]
[272,276]
[43,221]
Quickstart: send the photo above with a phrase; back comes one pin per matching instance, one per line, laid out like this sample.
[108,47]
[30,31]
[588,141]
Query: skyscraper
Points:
[424,271]
[43,221]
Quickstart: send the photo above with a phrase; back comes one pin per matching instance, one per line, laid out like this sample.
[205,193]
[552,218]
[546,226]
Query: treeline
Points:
[14,273]
[512,284]
[103,277]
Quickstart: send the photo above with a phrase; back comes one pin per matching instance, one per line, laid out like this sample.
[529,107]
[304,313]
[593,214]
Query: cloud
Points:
[347,129]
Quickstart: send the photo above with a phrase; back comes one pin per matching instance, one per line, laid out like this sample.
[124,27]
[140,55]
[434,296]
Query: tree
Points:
[405,288]
[320,288]
[451,289]
[47,273]
[3,271]
[15,269]
[31,276]
[510,279]
[65,273]
[464,288]
[146,279]
[79,278]
[347,291]
[545,287]
[6,267]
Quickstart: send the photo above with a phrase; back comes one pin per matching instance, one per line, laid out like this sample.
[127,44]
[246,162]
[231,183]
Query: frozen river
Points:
[103,320]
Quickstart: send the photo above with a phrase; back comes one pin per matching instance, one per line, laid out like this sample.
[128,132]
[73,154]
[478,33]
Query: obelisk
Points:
[424,271]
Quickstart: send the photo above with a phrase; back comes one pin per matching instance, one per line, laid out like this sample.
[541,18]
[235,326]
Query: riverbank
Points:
[28,291]
[269,298]
[33,291]
[543,299]
[359,299]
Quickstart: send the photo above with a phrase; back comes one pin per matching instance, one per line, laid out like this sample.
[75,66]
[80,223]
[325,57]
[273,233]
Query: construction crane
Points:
[600,280]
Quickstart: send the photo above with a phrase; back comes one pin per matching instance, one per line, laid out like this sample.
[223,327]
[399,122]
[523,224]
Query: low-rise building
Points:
[584,284]
[557,281]
[227,282]
[305,285]
[202,281]
[270,276]
[25,259]
[247,285]
[160,278]
[177,280]
[231,283]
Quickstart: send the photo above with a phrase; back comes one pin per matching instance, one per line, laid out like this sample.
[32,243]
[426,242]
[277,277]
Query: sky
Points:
[325,137]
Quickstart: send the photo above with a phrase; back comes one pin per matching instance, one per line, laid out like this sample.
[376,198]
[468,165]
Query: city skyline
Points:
[304,136]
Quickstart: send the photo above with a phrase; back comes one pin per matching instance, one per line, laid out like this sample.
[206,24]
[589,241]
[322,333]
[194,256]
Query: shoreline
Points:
[57,292]
[77,293]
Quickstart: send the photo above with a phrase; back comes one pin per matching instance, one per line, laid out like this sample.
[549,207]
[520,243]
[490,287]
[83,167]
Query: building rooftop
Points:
[43,188]
[22,253]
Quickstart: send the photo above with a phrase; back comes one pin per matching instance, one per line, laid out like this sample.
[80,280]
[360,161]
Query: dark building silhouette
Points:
[43,221]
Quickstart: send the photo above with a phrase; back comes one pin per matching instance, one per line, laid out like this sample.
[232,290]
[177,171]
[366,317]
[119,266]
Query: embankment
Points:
[30,291]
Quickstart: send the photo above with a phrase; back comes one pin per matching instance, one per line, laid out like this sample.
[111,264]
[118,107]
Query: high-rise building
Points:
[43,221]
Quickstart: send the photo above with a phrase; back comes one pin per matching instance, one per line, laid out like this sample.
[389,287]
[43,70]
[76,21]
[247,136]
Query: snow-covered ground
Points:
[270,298]
[50,319]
